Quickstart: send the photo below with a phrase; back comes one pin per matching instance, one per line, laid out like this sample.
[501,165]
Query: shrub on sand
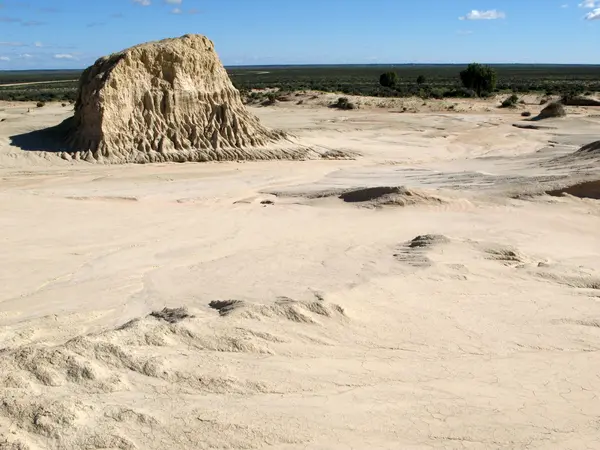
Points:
[343,103]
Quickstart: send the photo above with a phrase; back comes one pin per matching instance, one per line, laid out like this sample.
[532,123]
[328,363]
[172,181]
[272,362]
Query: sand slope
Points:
[457,308]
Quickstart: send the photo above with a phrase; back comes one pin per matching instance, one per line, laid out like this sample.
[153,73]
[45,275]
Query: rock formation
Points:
[170,100]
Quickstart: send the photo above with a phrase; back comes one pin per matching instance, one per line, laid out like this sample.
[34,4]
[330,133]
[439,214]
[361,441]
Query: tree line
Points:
[480,79]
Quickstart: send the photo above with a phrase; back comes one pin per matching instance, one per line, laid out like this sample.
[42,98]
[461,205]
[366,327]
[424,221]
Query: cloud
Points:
[589,4]
[25,23]
[176,11]
[11,44]
[143,2]
[492,14]
[32,23]
[64,56]
[593,15]
[38,44]
[4,58]
[564,6]
[26,56]
[174,2]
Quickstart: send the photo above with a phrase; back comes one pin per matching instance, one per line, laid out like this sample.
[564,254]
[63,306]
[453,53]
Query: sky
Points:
[61,34]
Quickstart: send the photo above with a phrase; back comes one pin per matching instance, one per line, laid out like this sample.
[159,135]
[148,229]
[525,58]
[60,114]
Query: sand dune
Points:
[428,293]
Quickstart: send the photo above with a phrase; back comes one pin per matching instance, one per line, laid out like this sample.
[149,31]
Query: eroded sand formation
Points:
[170,100]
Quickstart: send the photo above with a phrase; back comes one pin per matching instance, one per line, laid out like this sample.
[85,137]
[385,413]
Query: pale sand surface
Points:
[327,329]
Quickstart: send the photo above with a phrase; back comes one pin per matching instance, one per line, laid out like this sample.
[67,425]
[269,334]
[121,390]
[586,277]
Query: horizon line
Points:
[345,65]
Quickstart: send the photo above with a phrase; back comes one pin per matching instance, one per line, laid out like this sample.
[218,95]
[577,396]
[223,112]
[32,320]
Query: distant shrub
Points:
[526,114]
[421,80]
[437,94]
[389,79]
[343,103]
[511,101]
[479,78]
[544,101]
[40,104]
[459,93]
[284,98]
[271,99]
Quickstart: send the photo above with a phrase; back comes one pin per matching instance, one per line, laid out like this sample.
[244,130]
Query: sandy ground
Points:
[311,322]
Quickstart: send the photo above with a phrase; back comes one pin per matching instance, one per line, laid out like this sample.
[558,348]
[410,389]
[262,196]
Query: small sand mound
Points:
[553,110]
[592,149]
[388,196]
[428,240]
[414,252]
[508,255]
[588,189]
[286,308]
[172,315]
[578,278]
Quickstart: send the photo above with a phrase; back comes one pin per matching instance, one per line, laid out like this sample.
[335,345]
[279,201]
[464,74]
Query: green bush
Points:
[421,80]
[459,93]
[479,78]
[389,79]
[40,104]
[271,98]
[511,101]
[343,103]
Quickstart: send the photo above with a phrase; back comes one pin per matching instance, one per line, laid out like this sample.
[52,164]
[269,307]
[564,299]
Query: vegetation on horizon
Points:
[426,81]
[479,78]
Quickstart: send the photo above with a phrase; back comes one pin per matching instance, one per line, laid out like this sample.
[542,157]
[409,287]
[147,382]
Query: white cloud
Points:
[564,6]
[63,56]
[589,4]
[176,11]
[38,44]
[593,15]
[26,56]
[174,2]
[4,58]
[11,44]
[143,2]
[492,14]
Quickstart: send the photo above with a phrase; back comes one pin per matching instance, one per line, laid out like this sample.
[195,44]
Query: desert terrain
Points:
[427,293]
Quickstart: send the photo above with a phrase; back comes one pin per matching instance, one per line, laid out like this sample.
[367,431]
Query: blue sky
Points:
[74,33]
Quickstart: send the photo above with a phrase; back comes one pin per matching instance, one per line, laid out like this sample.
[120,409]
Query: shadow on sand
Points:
[53,139]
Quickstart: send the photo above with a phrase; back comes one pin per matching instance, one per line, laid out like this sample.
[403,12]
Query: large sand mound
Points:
[389,196]
[170,100]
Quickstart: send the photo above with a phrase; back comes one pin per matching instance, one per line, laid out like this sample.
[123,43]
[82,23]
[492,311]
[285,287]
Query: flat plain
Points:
[440,290]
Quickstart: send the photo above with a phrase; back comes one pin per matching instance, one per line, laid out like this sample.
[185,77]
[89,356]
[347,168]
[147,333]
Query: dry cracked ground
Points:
[439,291]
